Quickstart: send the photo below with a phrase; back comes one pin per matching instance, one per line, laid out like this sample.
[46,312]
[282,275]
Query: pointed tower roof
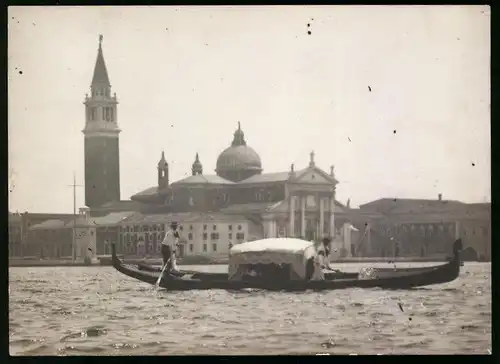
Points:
[163,162]
[100,72]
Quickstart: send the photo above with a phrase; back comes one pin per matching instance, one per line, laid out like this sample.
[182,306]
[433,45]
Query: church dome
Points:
[239,156]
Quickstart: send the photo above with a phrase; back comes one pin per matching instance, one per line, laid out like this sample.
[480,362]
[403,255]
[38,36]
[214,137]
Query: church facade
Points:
[298,203]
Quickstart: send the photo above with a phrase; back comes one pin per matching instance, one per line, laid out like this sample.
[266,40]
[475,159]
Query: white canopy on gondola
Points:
[294,252]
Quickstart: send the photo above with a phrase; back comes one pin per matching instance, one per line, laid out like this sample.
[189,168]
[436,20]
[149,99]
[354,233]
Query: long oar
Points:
[161,274]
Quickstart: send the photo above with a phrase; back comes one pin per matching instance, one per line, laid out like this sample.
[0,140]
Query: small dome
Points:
[239,156]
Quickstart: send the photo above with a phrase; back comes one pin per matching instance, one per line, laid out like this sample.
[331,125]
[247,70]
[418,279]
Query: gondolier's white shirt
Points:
[170,240]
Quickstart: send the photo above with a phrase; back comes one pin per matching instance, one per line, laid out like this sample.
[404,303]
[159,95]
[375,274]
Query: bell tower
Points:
[162,172]
[101,133]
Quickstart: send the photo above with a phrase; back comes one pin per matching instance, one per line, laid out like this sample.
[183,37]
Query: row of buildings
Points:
[236,203]
[382,228]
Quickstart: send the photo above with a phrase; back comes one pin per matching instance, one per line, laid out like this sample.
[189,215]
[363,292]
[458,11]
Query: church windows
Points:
[214,247]
[240,236]
[190,248]
[93,113]
[190,236]
[204,227]
[214,236]
[191,227]
[214,227]
[239,227]
[108,114]
[204,248]
[205,236]
[230,236]
[230,227]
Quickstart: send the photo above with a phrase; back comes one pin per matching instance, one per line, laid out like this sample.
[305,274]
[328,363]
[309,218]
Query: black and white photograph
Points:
[249,180]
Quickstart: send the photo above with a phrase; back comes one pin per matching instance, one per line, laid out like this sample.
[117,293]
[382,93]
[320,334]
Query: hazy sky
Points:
[185,76]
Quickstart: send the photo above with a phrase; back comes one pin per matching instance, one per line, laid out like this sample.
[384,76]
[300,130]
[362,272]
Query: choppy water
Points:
[98,311]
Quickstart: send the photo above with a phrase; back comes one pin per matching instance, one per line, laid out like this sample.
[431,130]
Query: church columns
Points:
[331,201]
[321,217]
[303,216]
[291,227]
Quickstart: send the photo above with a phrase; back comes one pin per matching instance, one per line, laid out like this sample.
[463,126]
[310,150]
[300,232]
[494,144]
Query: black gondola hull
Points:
[435,275]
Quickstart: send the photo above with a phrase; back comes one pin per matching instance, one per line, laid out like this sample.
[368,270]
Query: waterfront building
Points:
[425,227]
[19,225]
[53,239]
[201,234]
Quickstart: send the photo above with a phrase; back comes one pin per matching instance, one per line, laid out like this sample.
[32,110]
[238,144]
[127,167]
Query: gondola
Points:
[439,274]
[329,274]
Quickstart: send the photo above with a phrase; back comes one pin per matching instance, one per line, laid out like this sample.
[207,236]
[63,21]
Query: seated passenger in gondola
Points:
[314,270]
[326,249]
[252,273]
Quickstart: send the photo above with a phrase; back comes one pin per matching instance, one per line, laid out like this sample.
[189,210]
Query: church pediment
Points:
[315,176]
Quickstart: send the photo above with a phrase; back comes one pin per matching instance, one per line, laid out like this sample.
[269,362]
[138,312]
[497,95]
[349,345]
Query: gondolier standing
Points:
[168,246]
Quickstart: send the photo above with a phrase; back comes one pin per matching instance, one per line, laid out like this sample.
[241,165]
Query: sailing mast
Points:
[74,185]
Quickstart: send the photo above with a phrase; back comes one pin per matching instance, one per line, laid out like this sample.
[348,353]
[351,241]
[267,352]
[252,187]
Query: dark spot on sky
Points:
[394,131]
[348,138]
[171,125]
[458,38]
[309,32]
[308,25]
[166,28]
[473,164]
[20,72]
[369,88]
[409,318]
